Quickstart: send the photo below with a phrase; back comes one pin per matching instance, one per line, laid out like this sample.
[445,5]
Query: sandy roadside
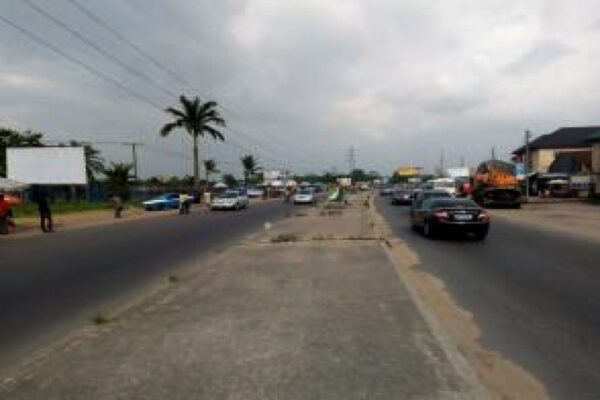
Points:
[573,218]
[29,227]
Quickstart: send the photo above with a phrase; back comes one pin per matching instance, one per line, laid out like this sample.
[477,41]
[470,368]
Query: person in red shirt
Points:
[5,216]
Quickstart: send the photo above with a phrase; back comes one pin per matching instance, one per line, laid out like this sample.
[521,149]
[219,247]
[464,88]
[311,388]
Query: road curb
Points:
[448,345]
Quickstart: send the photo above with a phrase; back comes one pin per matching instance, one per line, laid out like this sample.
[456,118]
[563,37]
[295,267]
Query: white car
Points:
[255,192]
[230,200]
[304,196]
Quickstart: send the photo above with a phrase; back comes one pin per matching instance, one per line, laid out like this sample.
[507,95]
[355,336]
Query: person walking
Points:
[45,213]
[117,203]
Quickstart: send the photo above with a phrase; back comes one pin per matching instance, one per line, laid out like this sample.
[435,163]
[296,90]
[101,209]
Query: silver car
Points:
[304,196]
[230,200]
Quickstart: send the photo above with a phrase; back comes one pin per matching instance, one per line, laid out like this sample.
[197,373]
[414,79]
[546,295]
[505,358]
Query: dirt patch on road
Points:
[503,378]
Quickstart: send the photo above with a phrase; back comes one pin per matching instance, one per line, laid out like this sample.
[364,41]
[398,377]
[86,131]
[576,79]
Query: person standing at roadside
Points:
[5,216]
[117,203]
[45,213]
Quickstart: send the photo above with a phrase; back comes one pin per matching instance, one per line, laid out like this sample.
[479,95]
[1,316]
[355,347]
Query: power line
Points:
[80,63]
[98,48]
[100,22]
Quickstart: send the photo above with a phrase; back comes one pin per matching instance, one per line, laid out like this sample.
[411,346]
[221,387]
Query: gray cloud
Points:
[302,80]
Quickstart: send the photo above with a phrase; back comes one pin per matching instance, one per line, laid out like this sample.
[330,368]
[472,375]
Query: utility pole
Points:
[462,161]
[493,152]
[135,159]
[133,153]
[442,163]
[351,159]
[526,164]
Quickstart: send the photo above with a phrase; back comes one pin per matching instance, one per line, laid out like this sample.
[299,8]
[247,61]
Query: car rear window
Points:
[452,203]
[305,192]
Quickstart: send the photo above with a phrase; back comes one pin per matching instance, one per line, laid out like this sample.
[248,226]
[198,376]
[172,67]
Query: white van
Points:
[446,184]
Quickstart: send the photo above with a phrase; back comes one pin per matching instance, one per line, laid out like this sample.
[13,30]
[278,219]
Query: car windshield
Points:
[305,192]
[229,195]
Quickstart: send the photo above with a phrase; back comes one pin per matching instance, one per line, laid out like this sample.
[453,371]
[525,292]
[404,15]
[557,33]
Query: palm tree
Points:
[251,167]
[118,175]
[210,167]
[94,163]
[197,118]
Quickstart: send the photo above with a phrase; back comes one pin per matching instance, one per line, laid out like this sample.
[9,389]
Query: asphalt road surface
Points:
[51,283]
[535,295]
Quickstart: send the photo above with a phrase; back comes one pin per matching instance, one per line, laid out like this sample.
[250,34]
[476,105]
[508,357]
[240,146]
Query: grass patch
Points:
[62,207]
[100,319]
[284,238]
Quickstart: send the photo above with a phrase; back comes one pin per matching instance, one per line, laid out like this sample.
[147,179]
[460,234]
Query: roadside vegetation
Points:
[61,207]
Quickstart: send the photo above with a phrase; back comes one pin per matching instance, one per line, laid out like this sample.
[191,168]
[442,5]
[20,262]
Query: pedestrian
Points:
[184,203]
[45,213]
[117,203]
[6,221]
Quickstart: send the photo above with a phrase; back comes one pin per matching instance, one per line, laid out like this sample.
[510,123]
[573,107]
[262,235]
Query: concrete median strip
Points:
[322,316]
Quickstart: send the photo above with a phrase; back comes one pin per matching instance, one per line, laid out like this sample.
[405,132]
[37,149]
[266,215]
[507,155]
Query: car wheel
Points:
[428,230]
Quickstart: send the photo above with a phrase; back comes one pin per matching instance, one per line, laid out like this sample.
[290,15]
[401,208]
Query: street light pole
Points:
[527,137]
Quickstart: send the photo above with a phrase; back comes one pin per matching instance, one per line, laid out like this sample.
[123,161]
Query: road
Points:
[52,283]
[535,296]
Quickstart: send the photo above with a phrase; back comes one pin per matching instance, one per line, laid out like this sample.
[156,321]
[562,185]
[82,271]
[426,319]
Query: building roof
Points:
[571,137]
[594,137]
[571,162]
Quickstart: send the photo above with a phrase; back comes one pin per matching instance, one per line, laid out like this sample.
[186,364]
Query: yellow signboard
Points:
[408,171]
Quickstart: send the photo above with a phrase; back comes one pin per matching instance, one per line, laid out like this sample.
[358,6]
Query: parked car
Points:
[254,192]
[304,196]
[401,196]
[230,200]
[451,216]
[167,201]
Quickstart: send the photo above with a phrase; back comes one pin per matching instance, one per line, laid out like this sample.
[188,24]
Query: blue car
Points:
[168,201]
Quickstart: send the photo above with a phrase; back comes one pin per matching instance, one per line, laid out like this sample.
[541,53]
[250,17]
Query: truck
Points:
[495,184]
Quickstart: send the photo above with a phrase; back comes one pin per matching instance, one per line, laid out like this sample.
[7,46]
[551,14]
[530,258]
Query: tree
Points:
[12,138]
[117,177]
[210,167]
[94,163]
[251,167]
[197,119]
[229,180]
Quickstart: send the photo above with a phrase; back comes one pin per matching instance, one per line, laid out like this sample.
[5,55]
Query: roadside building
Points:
[594,140]
[565,154]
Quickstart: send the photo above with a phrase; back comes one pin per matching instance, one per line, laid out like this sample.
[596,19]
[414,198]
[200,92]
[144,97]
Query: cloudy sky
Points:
[302,81]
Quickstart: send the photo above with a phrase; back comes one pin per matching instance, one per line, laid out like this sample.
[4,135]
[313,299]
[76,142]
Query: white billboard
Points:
[46,165]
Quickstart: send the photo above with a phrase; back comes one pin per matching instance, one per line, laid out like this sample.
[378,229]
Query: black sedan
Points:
[402,196]
[452,216]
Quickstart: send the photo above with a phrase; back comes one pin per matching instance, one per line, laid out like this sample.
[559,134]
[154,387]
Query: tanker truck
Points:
[496,185]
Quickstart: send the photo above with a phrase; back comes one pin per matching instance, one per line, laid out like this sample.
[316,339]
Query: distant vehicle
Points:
[386,191]
[304,196]
[496,184]
[402,196]
[230,200]
[254,192]
[167,201]
[451,216]
[363,186]
[447,184]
